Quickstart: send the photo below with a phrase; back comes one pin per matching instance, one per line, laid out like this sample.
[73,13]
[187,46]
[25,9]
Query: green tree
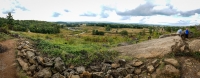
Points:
[107,28]
[150,30]
[10,20]
[124,32]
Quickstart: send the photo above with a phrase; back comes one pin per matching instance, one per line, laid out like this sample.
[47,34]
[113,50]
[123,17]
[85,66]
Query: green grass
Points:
[74,51]
[4,36]
[79,49]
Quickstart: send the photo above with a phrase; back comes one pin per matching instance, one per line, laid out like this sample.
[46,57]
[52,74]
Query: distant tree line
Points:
[29,25]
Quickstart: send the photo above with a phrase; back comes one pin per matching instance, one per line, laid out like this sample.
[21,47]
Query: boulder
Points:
[171,61]
[168,71]
[150,68]
[59,64]
[194,46]
[80,69]
[23,64]
[45,73]
[152,48]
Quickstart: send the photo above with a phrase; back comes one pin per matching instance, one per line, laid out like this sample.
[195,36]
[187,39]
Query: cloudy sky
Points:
[164,12]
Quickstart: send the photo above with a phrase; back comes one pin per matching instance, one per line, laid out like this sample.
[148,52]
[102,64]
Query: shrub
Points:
[96,32]
[124,32]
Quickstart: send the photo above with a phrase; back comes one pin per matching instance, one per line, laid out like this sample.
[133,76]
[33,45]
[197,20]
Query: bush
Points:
[124,32]
[96,32]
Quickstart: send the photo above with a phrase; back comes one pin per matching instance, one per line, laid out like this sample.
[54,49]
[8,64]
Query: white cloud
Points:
[43,10]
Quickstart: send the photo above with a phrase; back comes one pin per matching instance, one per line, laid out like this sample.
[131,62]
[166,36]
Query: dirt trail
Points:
[7,60]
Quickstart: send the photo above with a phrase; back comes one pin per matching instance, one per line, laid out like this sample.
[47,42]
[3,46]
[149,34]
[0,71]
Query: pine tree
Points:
[10,20]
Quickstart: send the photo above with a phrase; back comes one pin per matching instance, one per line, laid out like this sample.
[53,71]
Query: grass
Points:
[75,48]
[4,36]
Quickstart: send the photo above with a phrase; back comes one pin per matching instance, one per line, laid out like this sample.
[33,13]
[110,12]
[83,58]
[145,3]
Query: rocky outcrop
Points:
[38,66]
[194,46]
[152,48]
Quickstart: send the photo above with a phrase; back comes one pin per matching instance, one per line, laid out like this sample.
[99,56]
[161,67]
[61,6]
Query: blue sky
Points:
[164,12]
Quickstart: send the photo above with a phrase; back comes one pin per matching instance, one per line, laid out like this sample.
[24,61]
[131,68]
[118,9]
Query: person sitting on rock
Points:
[186,33]
[179,32]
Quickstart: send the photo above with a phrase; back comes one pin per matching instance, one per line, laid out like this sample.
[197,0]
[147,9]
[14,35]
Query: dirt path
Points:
[7,60]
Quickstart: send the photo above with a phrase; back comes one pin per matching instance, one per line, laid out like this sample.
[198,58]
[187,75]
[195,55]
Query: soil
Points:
[8,66]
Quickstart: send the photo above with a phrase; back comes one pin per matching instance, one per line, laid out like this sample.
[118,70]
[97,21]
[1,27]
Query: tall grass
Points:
[4,36]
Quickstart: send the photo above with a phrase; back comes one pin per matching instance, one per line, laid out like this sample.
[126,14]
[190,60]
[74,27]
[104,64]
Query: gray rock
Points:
[122,62]
[95,68]
[152,48]
[98,75]
[23,64]
[194,46]
[48,64]
[59,64]
[168,71]
[171,61]
[123,72]
[32,68]
[137,71]
[45,73]
[80,69]
[40,60]
[150,68]
[137,63]
[32,61]
[106,67]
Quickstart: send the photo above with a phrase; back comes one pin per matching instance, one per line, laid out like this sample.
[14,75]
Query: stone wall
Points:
[37,65]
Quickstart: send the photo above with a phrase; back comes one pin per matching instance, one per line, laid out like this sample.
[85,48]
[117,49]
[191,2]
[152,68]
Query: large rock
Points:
[171,61]
[194,46]
[23,64]
[45,73]
[152,48]
[30,54]
[168,71]
[80,69]
[59,64]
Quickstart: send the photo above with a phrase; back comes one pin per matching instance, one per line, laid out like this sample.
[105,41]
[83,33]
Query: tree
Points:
[124,32]
[150,30]
[108,28]
[10,20]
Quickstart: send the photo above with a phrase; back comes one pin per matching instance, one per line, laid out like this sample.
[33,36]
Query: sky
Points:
[162,12]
